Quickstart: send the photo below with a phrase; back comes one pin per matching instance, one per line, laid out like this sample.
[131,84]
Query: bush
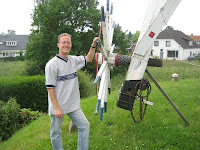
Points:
[197,58]
[85,84]
[9,118]
[26,116]
[12,118]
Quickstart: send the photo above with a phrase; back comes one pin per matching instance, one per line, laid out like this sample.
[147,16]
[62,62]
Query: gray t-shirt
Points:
[61,74]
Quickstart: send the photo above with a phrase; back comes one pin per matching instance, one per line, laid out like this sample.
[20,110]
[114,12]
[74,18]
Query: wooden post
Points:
[72,127]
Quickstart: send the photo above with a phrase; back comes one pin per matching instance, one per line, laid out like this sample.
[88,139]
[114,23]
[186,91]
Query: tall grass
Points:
[182,68]
[12,68]
[164,73]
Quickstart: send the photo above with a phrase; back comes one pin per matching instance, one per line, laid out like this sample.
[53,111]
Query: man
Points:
[63,92]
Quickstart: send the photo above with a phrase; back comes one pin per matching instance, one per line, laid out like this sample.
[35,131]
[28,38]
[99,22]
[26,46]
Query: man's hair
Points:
[63,34]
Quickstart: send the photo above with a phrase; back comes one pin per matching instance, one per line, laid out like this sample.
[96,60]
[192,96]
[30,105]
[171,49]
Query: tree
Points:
[79,18]
[11,32]
[130,35]
[169,27]
[135,36]
[120,40]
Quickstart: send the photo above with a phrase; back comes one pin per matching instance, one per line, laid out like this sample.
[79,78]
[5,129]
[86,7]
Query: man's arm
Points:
[91,53]
[52,94]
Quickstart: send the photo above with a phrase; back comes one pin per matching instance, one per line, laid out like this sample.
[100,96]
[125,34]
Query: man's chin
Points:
[66,52]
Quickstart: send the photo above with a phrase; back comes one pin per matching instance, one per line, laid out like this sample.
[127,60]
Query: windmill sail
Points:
[152,11]
[106,52]
[157,16]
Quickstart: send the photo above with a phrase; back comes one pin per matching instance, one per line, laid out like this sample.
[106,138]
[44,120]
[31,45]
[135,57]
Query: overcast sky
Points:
[16,15]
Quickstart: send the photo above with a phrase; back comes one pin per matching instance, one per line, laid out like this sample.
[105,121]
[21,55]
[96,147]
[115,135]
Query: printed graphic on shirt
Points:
[67,77]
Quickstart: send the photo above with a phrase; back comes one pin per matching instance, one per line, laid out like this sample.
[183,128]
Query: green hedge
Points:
[31,92]
[18,58]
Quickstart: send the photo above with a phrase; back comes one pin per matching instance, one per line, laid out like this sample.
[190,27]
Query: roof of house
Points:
[22,40]
[179,37]
[195,37]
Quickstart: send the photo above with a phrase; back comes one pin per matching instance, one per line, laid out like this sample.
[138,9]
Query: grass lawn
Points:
[161,129]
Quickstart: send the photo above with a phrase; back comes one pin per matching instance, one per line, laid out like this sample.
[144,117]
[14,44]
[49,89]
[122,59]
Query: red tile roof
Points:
[195,37]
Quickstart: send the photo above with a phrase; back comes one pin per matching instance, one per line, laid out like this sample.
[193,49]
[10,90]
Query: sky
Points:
[129,14]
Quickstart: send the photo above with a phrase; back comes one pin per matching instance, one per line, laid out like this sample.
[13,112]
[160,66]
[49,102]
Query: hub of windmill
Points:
[124,60]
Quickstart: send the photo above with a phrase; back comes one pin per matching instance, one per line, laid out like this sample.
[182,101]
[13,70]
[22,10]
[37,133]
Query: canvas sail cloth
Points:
[157,16]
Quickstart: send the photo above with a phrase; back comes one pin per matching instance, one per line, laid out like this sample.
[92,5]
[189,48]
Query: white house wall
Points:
[190,52]
[162,45]
[11,53]
[183,54]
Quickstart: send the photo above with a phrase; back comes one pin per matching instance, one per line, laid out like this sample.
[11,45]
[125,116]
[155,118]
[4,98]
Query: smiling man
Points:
[63,92]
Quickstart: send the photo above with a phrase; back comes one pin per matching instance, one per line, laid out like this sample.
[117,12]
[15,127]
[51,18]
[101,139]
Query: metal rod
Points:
[167,97]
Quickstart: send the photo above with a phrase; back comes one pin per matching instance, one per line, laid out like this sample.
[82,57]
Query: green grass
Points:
[162,128]
[182,68]
[12,68]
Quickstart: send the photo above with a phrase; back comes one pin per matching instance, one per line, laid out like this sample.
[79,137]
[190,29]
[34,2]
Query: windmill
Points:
[134,87]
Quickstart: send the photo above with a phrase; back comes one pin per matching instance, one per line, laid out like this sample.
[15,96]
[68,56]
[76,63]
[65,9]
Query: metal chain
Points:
[143,85]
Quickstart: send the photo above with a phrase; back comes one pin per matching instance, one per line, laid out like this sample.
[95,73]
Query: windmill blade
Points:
[103,96]
[156,22]
[100,99]
[106,52]
[152,11]
[150,31]
[156,18]
[101,70]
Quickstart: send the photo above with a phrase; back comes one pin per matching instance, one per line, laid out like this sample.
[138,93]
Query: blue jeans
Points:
[81,122]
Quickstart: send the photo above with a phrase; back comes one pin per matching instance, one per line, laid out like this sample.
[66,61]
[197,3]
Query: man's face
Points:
[64,45]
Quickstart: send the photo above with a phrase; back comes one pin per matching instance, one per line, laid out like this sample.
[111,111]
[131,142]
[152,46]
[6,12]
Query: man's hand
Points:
[91,53]
[94,42]
[58,113]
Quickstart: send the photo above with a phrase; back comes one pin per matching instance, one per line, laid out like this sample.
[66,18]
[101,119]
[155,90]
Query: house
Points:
[195,38]
[174,44]
[132,48]
[12,45]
